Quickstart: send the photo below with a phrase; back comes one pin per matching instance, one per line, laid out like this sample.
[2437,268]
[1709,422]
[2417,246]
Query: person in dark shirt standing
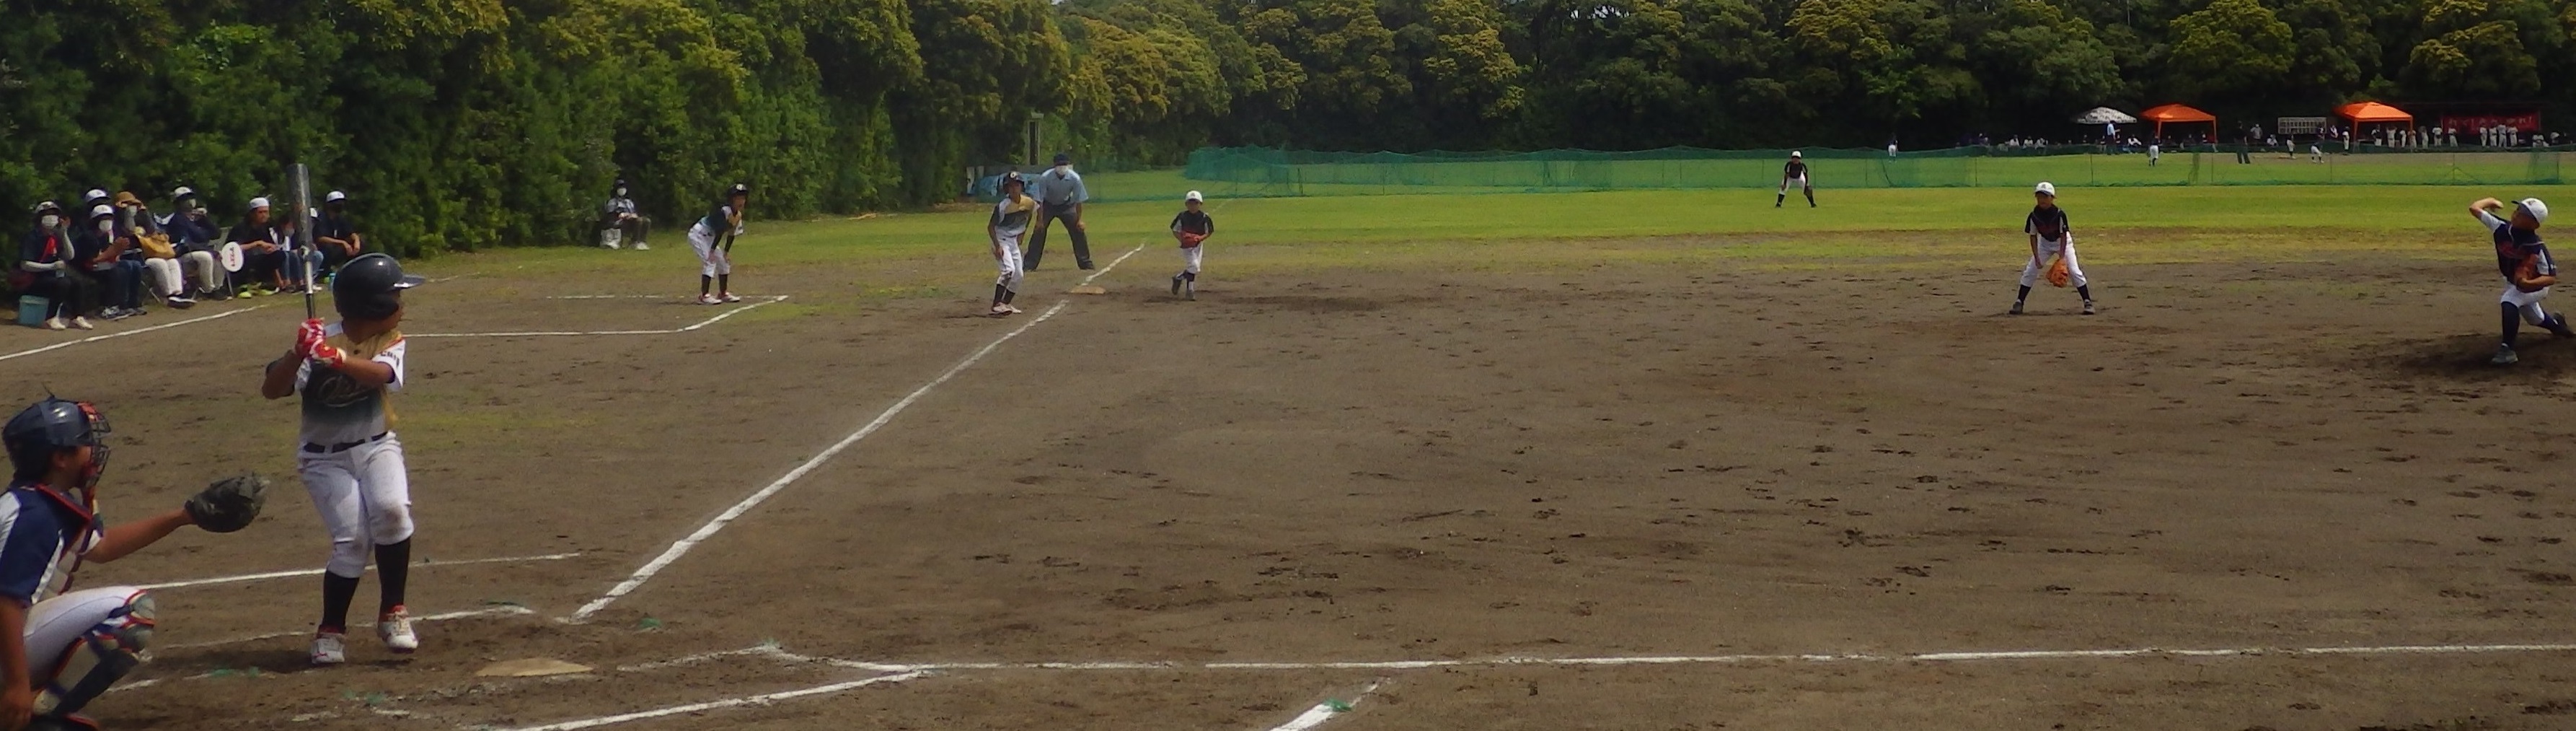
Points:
[1795,173]
[1191,228]
[2050,235]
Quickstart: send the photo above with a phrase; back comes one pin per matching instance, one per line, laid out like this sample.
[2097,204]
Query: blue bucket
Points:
[31,310]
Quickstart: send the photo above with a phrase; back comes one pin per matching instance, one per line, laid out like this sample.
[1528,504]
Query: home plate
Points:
[1088,289]
[530,668]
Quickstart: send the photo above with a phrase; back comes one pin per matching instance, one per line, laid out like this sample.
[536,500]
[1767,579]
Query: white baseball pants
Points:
[2037,269]
[711,260]
[54,624]
[1190,258]
[1009,263]
[364,496]
[164,276]
[2528,302]
[209,272]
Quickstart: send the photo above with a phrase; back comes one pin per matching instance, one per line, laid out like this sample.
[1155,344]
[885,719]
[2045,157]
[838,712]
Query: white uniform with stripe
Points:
[713,260]
[350,459]
[2056,238]
[42,537]
[1010,222]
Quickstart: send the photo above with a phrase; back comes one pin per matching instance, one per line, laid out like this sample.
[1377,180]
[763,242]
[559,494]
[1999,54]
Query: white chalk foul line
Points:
[137,331]
[1981,656]
[774,299]
[1113,263]
[681,548]
[719,704]
[1325,711]
[484,612]
[316,572]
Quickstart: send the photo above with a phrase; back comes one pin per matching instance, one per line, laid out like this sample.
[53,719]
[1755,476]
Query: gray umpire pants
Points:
[1048,213]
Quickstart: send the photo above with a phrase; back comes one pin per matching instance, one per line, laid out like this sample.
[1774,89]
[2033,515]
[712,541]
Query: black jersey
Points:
[2048,223]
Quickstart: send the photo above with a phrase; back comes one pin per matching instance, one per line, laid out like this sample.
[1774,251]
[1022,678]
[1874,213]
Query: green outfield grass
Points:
[2136,224]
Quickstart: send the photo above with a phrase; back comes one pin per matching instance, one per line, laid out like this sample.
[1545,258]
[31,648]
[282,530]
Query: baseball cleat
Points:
[330,648]
[2016,309]
[1176,285]
[1190,291]
[395,629]
[1001,310]
[1015,309]
[707,299]
[729,297]
[82,323]
[2504,356]
[180,303]
[2088,307]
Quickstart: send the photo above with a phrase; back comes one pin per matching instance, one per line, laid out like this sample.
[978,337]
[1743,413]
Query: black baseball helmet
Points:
[738,189]
[370,287]
[50,426]
[1014,177]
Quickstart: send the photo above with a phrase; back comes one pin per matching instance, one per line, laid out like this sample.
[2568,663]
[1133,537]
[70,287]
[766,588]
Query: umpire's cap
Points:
[370,287]
[52,425]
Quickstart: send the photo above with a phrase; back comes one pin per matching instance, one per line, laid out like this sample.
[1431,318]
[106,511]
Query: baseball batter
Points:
[2528,272]
[1795,173]
[1191,228]
[2050,236]
[715,261]
[1010,223]
[350,460]
[71,646]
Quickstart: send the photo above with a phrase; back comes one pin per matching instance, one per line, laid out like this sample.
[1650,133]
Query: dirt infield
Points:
[1789,483]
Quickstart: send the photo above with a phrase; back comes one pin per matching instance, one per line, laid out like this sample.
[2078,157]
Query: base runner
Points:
[350,459]
[2528,272]
[1010,223]
[715,261]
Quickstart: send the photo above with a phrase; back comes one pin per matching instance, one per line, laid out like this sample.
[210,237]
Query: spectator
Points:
[101,254]
[44,269]
[301,260]
[337,237]
[151,249]
[263,261]
[622,216]
[193,234]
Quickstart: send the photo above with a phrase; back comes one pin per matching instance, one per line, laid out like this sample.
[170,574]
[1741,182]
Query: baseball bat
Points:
[303,184]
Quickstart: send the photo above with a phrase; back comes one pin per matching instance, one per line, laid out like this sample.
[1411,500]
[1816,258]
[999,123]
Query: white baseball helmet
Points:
[2539,211]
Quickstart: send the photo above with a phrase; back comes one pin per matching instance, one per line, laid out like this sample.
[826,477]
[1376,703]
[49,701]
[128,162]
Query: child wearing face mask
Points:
[45,255]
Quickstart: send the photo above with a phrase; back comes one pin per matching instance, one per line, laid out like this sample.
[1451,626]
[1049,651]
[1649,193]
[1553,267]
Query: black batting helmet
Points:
[50,426]
[370,287]
[738,189]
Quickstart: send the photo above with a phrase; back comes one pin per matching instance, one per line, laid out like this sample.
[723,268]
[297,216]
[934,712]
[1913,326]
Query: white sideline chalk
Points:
[717,704]
[1986,656]
[484,612]
[1325,711]
[137,331]
[774,299]
[316,572]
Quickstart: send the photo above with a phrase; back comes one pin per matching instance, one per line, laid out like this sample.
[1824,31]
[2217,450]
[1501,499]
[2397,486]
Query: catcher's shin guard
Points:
[99,658]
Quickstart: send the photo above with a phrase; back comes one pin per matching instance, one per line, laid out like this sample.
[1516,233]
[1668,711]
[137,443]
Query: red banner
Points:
[2528,122]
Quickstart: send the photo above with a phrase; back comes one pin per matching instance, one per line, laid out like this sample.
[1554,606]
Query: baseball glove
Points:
[2528,272]
[1191,240]
[2057,274]
[229,504]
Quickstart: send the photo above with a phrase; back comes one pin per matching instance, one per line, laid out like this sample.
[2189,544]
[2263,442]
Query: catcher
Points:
[72,645]
[2528,272]
[1191,228]
[2050,234]
[351,462]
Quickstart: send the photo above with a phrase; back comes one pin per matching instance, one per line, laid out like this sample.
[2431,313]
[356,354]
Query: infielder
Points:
[1795,173]
[715,263]
[72,645]
[2528,272]
[1010,222]
[351,462]
[1191,228]
[2050,234]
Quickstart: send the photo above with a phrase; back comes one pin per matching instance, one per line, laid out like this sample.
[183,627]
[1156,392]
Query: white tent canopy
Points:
[2104,115]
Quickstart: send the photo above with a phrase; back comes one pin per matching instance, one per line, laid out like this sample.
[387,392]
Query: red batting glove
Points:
[324,354]
[310,334]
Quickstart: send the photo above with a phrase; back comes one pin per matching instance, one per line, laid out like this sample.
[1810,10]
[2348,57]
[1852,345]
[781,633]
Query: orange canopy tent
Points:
[2362,113]
[2179,114]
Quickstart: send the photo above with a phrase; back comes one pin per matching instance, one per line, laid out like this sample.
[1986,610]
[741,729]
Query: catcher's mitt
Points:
[229,504]
[2057,274]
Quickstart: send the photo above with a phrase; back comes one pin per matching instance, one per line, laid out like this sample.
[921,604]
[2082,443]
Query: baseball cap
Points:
[1795,153]
[1063,158]
[182,192]
[258,203]
[1194,197]
[2539,211]
[2047,189]
[335,196]
[102,211]
[49,206]
[95,194]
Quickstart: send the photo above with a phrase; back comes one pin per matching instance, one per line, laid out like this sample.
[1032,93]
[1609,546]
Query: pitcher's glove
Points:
[229,504]
[2058,276]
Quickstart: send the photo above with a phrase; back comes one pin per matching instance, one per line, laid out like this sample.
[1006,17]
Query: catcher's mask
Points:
[50,426]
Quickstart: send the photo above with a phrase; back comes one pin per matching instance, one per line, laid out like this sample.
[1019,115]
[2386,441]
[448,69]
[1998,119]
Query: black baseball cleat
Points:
[2504,356]
[2088,307]
[1176,286]
[1086,266]
[2016,309]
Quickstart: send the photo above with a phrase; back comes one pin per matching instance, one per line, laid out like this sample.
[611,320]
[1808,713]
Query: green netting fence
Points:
[1266,172]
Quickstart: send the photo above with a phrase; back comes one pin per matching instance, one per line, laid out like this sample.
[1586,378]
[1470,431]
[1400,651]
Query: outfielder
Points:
[1795,173]
[715,263]
[1009,224]
[351,462]
[2528,272]
[1191,228]
[2051,235]
[72,645]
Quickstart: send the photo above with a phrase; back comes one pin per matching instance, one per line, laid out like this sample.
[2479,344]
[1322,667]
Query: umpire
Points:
[1060,195]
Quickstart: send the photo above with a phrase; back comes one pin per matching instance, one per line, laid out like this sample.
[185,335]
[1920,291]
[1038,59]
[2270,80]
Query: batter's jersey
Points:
[42,537]
[338,409]
[2048,223]
[2513,245]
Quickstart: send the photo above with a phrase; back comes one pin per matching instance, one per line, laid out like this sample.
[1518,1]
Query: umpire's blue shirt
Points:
[1059,187]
